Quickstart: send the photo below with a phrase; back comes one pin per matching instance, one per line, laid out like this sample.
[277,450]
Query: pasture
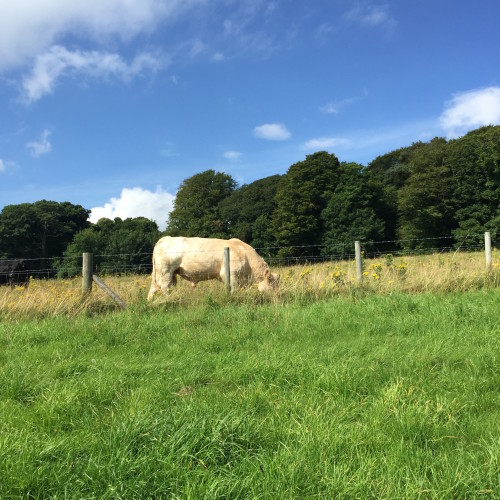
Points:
[447,272]
[327,390]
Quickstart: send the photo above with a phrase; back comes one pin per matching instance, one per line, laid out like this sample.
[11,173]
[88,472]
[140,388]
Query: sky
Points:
[112,105]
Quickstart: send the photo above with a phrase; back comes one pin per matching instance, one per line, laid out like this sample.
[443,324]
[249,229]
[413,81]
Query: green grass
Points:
[389,396]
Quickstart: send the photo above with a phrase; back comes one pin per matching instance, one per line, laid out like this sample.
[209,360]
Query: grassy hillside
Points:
[356,396]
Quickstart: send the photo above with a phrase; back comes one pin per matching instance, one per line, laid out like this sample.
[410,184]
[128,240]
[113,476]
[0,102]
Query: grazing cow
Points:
[12,272]
[200,259]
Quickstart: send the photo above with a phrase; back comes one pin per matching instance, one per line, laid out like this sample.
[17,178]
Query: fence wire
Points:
[19,269]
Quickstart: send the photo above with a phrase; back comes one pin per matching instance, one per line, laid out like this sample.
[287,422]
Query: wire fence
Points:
[19,270]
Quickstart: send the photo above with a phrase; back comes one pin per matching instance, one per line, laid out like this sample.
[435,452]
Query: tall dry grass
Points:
[410,274]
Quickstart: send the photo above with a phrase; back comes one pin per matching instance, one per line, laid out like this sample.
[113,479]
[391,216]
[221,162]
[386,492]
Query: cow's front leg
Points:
[162,283]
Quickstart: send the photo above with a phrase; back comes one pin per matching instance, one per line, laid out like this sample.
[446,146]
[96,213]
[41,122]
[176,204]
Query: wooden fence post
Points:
[487,250]
[359,262]
[227,270]
[87,267]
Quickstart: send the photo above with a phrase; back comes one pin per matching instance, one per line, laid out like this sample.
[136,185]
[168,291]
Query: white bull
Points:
[200,259]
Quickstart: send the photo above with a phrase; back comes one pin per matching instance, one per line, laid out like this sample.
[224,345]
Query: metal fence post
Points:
[87,267]
[227,270]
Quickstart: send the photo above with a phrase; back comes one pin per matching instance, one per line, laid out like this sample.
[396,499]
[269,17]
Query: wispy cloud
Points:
[272,132]
[137,202]
[471,109]
[325,143]
[33,37]
[59,62]
[6,165]
[333,107]
[233,155]
[169,150]
[42,146]
[218,57]
[372,16]
[246,31]
[324,31]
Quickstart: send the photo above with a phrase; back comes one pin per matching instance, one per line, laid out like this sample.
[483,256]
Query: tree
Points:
[474,161]
[40,230]
[426,203]
[392,170]
[196,205]
[302,194]
[118,246]
[351,211]
[246,212]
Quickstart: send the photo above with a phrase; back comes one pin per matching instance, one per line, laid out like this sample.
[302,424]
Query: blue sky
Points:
[113,104]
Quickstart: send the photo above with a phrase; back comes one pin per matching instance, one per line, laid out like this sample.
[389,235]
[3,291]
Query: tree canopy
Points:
[351,211]
[429,194]
[426,203]
[246,212]
[40,230]
[196,205]
[118,246]
[303,192]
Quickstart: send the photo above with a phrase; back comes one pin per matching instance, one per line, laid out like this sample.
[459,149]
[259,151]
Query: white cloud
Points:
[59,61]
[325,143]
[471,109]
[33,37]
[29,27]
[7,165]
[272,132]
[42,146]
[137,202]
[233,155]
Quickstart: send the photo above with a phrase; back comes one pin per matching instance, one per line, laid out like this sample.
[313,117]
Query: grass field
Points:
[321,392]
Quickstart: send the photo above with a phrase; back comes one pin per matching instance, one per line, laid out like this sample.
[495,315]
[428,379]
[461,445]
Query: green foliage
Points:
[392,171]
[426,202]
[39,230]
[303,192]
[439,189]
[393,168]
[196,206]
[430,194]
[474,161]
[396,398]
[351,211]
[118,246]
[247,210]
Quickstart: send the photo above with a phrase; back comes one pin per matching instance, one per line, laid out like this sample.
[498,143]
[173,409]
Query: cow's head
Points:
[269,283]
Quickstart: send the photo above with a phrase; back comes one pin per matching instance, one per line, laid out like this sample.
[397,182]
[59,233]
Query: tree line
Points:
[432,193]
[428,194]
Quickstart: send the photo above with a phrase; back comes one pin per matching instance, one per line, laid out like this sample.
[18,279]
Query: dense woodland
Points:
[430,194]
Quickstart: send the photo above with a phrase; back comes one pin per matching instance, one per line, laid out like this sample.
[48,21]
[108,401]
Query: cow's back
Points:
[193,256]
